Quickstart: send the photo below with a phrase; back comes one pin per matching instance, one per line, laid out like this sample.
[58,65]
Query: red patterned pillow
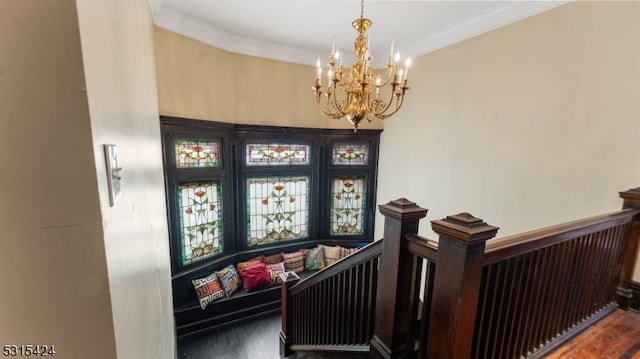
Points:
[274,271]
[255,277]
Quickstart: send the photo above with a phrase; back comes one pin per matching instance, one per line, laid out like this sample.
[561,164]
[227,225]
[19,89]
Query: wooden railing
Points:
[532,297]
[516,297]
[465,296]
[332,310]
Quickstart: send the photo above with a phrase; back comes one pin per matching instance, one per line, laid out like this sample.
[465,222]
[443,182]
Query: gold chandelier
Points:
[357,95]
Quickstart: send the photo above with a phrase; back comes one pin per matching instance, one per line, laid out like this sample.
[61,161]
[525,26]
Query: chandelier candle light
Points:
[356,95]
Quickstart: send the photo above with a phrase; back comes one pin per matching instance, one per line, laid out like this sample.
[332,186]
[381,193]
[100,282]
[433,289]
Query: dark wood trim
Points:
[232,174]
[515,245]
[634,302]
[365,254]
[523,295]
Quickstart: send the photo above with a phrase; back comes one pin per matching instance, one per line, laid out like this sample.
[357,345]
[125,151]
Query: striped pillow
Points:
[294,261]
[346,251]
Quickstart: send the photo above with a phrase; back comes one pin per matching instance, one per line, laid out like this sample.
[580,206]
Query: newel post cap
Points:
[631,197]
[464,227]
[402,209]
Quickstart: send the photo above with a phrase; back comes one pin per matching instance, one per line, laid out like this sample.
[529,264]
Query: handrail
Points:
[516,296]
[365,254]
[518,244]
[511,246]
[422,246]
[332,310]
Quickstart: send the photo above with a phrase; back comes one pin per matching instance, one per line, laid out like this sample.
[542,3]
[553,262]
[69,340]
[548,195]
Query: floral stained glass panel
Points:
[350,154]
[200,220]
[270,154]
[197,153]
[277,209]
[347,205]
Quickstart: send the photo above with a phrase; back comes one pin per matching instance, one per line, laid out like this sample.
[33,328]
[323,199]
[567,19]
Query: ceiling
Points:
[300,31]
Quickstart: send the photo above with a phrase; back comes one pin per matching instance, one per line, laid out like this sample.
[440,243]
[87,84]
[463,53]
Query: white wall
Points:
[117,43]
[529,125]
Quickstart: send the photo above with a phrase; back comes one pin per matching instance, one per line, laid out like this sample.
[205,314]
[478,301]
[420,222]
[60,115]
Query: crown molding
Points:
[507,13]
[495,18]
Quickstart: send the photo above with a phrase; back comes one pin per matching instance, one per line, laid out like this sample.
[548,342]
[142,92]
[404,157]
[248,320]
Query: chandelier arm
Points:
[336,102]
[398,100]
[385,105]
[330,105]
[388,78]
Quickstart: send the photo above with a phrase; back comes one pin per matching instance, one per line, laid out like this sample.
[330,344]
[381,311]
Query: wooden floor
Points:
[617,336]
[254,338]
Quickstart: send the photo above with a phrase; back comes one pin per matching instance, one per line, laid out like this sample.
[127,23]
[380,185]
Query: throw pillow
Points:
[274,259]
[314,259]
[251,262]
[255,277]
[207,289]
[274,271]
[229,279]
[331,254]
[347,251]
[294,261]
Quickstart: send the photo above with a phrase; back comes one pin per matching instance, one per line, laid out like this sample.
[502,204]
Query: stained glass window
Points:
[265,154]
[277,208]
[350,154]
[197,153]
[200,220]
[347,205]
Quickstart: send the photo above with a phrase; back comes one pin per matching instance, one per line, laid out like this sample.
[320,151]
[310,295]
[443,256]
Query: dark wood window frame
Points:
[233,173]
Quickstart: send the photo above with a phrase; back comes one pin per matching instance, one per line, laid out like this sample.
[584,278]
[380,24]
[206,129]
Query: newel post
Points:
[456,284]
[392,315]
[287,317]
[624,293]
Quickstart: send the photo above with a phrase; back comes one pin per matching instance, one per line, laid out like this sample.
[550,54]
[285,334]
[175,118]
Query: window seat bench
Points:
[190,318]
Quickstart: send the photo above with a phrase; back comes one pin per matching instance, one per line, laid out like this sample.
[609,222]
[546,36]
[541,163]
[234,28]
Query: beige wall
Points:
[92,280]
[53,270]
[117,43]
[198,81]
[529,125]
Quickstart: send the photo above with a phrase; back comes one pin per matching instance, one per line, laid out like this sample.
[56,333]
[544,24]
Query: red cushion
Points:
[255,277]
